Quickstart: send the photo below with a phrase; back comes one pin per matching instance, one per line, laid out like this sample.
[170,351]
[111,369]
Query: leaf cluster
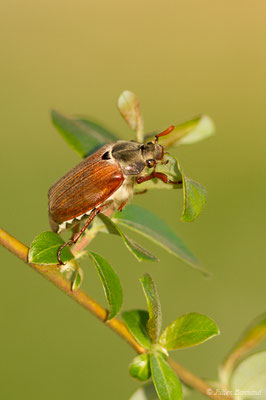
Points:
[186,331]
[242,375]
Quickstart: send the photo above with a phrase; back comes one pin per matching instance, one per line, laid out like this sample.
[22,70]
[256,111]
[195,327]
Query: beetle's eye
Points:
[150,143]
[106,156]
[150,163]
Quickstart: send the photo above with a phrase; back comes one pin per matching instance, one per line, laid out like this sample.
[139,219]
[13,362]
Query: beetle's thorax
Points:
[152,151]
[132,156]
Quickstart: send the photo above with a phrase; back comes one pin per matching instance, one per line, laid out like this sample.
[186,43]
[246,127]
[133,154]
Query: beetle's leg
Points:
[159,175]
[163,177]
[146,178]
[75,230]
[175,182]
[76,236]
[122,205]
[141,179]
[164,162]
[142,192]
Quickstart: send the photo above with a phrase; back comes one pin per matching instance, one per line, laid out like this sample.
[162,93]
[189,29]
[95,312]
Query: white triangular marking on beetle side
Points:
[61,227]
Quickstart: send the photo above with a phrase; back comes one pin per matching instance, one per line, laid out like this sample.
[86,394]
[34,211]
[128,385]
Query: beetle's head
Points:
[152,151]
[133,157]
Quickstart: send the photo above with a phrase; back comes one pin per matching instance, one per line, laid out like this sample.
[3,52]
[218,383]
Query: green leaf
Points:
[136,323]
[188,132]
[203,128]
[83,135]
[152,227]
[137,250]
[253,335]
[44,248]
[188,330]
[154,307]
[140,367]
[195,197]
[249,377]
[194,193]
[166,383]
[111,284]
[145,392]
[128,106]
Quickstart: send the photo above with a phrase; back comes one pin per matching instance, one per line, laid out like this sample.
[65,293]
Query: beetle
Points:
[104,180]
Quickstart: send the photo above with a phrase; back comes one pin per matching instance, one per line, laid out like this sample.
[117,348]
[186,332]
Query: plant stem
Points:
[53,275]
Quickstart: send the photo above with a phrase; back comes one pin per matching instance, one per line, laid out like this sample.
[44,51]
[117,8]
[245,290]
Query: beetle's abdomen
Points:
[86,186]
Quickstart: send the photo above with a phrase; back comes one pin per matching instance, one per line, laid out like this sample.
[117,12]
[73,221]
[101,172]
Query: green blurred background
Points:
[181,58]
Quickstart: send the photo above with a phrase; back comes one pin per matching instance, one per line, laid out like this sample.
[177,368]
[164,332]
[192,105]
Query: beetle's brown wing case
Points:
[85,187]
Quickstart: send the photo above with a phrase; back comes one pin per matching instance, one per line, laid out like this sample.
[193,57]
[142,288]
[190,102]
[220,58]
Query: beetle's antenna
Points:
[164,133]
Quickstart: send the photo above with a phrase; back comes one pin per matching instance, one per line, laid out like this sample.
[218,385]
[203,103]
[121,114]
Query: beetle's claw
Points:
[165,162]
[175,182]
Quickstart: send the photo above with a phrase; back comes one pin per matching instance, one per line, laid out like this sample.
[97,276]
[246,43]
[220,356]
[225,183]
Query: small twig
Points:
[53,275]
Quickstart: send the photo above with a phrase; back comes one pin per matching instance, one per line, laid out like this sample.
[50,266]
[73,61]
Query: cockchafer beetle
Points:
[103,180]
